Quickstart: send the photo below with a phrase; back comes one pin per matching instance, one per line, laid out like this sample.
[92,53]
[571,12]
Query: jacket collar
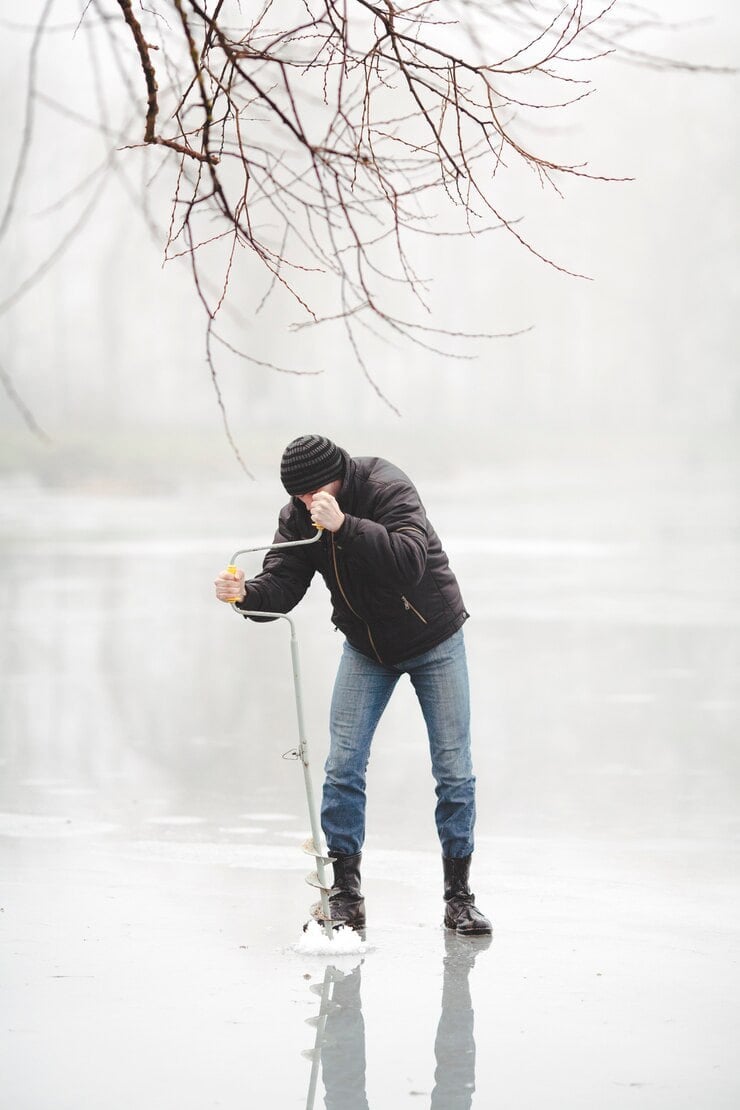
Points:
[347,493]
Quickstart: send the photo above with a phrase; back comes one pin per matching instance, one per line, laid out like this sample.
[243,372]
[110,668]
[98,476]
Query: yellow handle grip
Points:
[231,569]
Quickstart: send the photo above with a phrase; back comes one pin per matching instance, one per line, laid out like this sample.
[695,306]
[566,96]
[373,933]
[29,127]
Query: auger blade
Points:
[310,849]
[313,880]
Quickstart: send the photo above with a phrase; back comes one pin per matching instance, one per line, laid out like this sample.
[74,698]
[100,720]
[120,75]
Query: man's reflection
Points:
[454,1045]
[340,1034]
[340,1041]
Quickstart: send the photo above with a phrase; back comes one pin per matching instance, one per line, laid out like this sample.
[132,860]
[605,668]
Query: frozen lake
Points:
[150,832]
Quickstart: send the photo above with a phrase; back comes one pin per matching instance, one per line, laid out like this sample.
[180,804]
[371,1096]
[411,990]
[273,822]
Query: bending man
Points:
[399,606]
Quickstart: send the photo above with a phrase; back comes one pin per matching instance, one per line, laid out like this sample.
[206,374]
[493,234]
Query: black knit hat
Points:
[310,462]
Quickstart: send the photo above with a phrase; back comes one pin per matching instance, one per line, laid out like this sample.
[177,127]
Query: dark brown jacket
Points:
[393,593]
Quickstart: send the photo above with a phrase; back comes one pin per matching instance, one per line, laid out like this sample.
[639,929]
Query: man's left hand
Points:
[326,512]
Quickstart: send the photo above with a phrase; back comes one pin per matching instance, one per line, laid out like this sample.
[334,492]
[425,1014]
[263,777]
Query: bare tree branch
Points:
[19,404]
[319,139]
[27,133]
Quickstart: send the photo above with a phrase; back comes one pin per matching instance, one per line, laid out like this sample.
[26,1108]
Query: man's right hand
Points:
[230,587]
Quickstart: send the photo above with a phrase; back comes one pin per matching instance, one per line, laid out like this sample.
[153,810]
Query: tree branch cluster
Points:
[324,137]
[322,144]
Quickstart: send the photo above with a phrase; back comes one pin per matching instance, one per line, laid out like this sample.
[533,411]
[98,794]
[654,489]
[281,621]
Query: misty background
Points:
[107,350]
[584,479]
[583,475]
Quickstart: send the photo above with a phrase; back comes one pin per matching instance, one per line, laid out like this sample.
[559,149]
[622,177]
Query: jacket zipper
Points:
[349,606]
[410,608]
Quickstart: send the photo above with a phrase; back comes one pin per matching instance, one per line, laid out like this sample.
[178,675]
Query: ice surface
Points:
[149,873]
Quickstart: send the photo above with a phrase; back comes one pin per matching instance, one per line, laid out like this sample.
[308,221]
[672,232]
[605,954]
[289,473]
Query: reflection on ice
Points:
[454,1046]
[340,1042]
[340,1046]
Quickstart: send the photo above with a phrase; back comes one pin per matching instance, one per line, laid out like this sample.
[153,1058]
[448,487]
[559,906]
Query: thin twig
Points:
[19,404]
[27,134]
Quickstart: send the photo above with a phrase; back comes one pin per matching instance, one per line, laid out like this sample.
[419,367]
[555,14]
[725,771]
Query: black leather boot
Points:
[346,904]
[461,912]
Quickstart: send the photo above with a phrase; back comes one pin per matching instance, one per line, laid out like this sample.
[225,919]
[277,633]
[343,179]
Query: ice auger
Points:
[315,846]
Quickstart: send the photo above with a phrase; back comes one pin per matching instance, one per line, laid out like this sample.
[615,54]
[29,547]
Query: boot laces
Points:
[463,898]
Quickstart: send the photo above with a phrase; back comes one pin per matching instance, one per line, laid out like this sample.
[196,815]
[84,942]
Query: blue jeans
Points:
[361,692]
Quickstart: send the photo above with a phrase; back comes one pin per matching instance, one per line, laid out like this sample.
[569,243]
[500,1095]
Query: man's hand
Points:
[230,587]
[326,512]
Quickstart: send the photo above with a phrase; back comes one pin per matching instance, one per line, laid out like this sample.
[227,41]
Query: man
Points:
[399,606]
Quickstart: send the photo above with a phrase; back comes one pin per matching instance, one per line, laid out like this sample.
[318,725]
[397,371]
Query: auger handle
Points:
[232,567]
[273,547]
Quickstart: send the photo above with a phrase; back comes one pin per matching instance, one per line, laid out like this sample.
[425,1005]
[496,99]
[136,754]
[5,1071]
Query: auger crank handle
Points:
[232,567]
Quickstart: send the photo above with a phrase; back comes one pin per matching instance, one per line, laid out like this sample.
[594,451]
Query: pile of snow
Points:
[343,942]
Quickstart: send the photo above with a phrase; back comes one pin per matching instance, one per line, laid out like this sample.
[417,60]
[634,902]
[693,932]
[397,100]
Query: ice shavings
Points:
[315,942]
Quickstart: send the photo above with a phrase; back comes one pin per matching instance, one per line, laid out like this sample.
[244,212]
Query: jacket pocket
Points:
[410,609]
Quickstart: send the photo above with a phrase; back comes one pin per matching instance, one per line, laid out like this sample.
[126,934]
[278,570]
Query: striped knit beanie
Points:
[310,462]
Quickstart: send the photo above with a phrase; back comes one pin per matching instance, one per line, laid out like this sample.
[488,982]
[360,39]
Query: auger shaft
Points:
[316,846]
[316,832]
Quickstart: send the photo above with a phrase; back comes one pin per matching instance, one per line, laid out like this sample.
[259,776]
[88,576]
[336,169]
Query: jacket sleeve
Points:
[394,542]
[285,576]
